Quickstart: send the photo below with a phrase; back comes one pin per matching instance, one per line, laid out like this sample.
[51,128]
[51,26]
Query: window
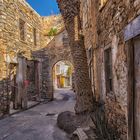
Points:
[102,3]
[22,29]
[34,36]
[108,71]
[65,41]
[90,65]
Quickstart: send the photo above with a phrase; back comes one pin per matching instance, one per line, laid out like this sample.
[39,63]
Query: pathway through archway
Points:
[62,73]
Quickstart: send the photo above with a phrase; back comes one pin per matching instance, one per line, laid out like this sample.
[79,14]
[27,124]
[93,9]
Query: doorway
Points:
[134,90]
[62,78]
[62,75]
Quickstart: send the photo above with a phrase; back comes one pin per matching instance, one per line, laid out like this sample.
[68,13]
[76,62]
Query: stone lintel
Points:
[132,29]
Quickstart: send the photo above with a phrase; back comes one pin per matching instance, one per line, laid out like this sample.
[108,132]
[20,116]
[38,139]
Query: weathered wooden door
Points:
[37,82]
[21,95]
[137,88]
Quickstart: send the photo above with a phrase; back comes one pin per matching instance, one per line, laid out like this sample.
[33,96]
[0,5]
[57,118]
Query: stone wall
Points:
[111,21]
[87,24]
[105,25]
[11,44]
[4,100]
[49,23]
[58,49]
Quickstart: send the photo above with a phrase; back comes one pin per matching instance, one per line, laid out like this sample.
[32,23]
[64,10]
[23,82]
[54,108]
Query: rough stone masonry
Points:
[104,22]
[24,33]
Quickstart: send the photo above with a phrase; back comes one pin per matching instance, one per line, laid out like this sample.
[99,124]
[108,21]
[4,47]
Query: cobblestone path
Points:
[38,123]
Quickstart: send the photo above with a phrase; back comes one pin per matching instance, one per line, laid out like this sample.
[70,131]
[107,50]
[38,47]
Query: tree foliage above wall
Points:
[52,32]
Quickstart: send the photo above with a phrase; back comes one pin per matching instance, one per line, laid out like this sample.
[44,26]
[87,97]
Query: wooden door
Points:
[14,90]
[137,88]
[37,78]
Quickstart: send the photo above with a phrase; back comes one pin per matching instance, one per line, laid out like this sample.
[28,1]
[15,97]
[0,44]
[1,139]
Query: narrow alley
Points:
[39,123]
[70,69]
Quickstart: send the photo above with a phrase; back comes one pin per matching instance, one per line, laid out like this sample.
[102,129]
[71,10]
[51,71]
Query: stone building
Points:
[30,47]
[24,75]
[20,30]
[19,34]
[58,49]
[111,29]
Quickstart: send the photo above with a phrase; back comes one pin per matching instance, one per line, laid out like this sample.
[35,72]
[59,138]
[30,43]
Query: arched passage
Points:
[55,51]
[64,57]
[62,73]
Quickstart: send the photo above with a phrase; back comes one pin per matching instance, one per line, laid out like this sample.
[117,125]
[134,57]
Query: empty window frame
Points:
[108,71]
[90,63]
[34,36]
[65,41]
[22,29]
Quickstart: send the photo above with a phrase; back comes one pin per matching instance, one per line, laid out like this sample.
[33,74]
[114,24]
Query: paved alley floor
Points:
[38,123]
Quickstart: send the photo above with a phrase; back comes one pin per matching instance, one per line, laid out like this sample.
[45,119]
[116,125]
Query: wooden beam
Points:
[132,29]
[130,59]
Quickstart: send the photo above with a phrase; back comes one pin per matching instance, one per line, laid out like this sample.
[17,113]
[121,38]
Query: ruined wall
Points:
[2,45]
[49,23]
[58,49]
[111,21]
[108,23]
[10,43]
[87,21]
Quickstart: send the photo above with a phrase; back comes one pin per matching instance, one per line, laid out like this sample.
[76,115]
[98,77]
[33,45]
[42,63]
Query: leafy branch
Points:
[52,32]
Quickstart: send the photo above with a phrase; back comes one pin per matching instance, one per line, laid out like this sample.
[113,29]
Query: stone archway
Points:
[58,49]
[49,79]
[62,72]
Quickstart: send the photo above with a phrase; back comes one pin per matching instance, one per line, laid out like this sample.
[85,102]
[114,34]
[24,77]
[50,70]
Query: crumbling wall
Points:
[108,23]
[4,97]
[111,21]
[11,45]
[58,49]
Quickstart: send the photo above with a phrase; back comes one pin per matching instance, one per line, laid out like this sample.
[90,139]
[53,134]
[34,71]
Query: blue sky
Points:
[44,7]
